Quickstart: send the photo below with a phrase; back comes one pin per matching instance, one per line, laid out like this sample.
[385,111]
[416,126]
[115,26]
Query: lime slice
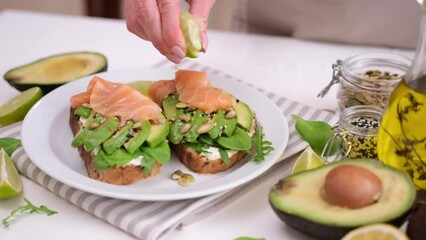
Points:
[141,86]
[15,109]
[376,231]
[191,33]
[308,159]
[10,182]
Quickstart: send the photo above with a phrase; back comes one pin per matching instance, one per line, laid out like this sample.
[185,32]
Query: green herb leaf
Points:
[224,156]
[249,238]
[28,208]
[9,145]
[263,147]
[317,134]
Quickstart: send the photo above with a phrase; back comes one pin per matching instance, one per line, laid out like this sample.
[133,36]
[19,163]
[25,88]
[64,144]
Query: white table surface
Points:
[292,68]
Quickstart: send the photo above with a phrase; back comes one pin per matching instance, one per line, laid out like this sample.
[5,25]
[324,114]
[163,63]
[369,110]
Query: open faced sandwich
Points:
[120,133]
[210,130]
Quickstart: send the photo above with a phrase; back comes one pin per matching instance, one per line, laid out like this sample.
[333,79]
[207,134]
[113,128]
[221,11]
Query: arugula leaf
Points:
[249,238]
[148,164]
[28,208]
[9,145]
[263,147]
[224,156]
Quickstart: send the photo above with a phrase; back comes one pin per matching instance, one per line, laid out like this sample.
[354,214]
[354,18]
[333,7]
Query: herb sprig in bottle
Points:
[401,139]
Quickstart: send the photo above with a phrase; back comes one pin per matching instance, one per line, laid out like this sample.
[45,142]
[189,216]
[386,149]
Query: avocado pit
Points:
[351,186]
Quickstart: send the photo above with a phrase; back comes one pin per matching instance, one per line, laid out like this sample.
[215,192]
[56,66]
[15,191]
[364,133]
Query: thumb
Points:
[200,9]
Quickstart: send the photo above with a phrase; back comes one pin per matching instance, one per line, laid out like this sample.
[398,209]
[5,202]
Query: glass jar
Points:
[367,78]
[356,130]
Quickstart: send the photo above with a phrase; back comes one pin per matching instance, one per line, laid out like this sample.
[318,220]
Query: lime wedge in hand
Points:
[308,159]
[191,33]
[10,182]
[15,109]
[141,86]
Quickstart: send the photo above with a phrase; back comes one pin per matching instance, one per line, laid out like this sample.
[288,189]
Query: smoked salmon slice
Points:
[194,89]
[161,89]
[115,99]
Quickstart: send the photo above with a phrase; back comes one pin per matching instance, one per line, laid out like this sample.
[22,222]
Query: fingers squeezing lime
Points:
[191,32]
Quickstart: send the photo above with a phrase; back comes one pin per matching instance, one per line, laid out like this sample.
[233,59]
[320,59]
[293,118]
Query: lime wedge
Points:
[141,86]
[15,109]
[308,159]
[191,33]
[10,182]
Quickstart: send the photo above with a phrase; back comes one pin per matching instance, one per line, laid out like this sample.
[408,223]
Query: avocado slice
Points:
[157,134]
[297,201]
[244,115]
[169,108]
[101,134]
[53,71]
[118,139]
[138,137]
[86,131]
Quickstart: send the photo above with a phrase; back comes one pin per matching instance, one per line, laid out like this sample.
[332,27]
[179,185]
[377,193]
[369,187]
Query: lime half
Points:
[141,86]
[191,33]
[15,109]
[10,182]
[308,159]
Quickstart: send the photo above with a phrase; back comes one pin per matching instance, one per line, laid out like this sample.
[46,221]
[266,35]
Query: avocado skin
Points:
[331,231]
[325,232]
[416,228]
[46,88]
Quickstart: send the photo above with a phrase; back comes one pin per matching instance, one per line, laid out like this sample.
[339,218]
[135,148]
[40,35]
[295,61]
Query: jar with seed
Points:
[357,132]
[367,78]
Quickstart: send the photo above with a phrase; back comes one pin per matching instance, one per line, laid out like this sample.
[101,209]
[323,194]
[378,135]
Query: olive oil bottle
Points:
[401,140]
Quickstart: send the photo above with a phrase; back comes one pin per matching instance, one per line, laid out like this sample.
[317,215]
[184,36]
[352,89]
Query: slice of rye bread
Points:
[200,164]
[114,175]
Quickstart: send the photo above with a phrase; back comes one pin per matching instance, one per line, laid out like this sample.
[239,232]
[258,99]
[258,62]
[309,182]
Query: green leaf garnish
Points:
[263,147]
[317,134]
[249,238]
[28,208]
[224,156]
[9,145]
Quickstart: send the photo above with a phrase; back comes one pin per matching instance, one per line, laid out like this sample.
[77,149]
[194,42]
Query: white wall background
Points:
[219,19]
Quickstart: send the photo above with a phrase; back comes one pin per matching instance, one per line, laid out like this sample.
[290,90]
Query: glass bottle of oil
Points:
[401,140]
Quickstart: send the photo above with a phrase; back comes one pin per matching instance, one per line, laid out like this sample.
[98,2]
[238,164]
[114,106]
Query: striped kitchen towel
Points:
[154,220]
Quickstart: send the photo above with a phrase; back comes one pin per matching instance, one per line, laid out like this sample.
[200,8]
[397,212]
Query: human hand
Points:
[158,21]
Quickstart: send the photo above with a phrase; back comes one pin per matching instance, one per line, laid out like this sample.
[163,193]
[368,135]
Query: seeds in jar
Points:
[362,146]
[372,88]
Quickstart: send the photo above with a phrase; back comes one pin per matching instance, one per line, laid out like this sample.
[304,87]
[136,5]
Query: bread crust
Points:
[200,164]
[115,175]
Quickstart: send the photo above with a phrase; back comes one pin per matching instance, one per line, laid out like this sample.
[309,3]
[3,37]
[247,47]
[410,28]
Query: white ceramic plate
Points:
[46,137]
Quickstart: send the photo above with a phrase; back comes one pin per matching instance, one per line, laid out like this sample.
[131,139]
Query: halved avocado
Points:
[53,71]
[297,201]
